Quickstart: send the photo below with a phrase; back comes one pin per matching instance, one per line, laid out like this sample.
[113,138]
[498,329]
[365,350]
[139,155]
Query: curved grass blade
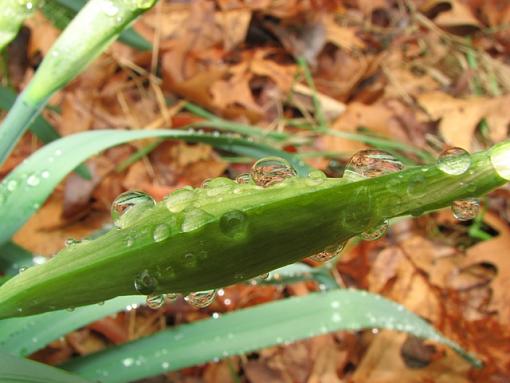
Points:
[23,336]
[272,227]
[91,31]
[12,15]
[27,187]
[19,370]
[39,126]
[251,329]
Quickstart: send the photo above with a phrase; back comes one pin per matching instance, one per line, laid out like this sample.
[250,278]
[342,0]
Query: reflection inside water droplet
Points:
[375,232]
[201,299]
[233,223]
[466,209]
[271,170]
[145,283]
[161,232]
[128,206]
[454,161]
[155,301]
[371,163]
[244,178]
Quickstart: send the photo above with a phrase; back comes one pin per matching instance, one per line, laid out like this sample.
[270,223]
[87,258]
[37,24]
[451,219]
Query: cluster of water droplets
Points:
[455,162]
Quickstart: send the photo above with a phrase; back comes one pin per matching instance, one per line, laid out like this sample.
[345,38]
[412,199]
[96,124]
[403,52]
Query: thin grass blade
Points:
[24,190]
[251,329]
[19,370]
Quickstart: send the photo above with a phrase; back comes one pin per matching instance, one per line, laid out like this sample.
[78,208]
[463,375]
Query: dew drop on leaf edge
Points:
[371,163]
[268,171]
[454,161]
[466,209]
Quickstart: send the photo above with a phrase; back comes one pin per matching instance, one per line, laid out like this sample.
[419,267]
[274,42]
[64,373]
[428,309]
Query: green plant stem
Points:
[285,224]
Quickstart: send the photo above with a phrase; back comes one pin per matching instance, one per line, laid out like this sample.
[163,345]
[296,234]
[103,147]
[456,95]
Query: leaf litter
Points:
[425,74]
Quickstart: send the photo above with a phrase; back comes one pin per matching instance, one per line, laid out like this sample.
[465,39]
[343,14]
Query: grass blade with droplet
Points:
[49,165]
[19,370]
[24,336]
[251,329]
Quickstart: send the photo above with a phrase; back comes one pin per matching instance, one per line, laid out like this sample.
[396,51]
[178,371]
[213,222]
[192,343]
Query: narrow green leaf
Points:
[39,126]
[97,24]
[20,198]
[13,258]
[251,329]
[61,12]
[24,336]
[19,370]
[218,236]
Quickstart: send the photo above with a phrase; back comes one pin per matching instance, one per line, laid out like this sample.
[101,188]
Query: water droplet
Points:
[22,269]
[109,8]
[315,177]
[45,174]
[190,260]
[70,309]
[128,362]
[161,232]
[165,365]
[71,242]
[375,232]
[244,178]
[328,253]
[371,163]
[201,299]
[233,223]
[263,277]
[144,4]
[12,185]
[416,186]
[217,186]
[155,301]
[128,206]
[466,209]
[194,218]
[129,242]
[170,297]
[179,199]
[271,170]
[33,180]
[145,283]
[454,161]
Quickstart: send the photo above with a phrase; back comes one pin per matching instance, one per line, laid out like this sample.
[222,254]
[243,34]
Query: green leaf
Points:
[61,12]
[251,329]
[19,200]
[24,336]
[97,24]
[13,258]
[12,15]
[39,126]
[18,370]
[219,235]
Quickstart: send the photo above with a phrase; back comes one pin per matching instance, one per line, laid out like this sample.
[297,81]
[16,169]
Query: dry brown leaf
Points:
[495,252]
[382,363]
[460,117]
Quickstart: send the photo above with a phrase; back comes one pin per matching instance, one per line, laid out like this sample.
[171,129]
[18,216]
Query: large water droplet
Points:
[194,218]
[200,299]
[375,232]
[128,206]
[233,223]
[271,170]
[33,180]
[454,161]
[179,199]
[328,253]
[315,177]
[217,186]
[161,232]
[145,283]
[155,301]
[371,163]
[466,209]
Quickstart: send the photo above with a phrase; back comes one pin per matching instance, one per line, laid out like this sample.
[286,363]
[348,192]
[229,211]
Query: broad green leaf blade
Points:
[252,329]
[24,336]
[93,29]
[18,370]
[13,258]
[20,198]
[225,232]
